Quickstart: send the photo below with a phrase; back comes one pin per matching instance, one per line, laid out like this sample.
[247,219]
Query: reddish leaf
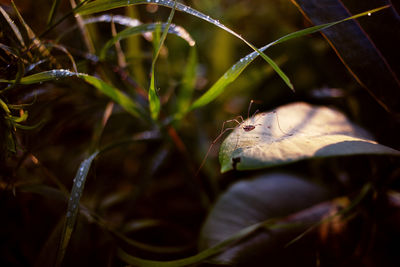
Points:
[368,47]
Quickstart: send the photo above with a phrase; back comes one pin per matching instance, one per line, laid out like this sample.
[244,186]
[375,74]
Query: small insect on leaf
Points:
[240,124]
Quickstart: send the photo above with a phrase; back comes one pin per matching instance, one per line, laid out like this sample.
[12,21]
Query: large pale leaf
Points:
[294,132]
[368,47]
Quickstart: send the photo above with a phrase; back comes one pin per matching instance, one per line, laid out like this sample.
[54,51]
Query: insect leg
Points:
[233,120]
[212,144]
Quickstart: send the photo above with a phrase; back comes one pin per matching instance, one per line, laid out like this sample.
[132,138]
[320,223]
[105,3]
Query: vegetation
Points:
[112,111]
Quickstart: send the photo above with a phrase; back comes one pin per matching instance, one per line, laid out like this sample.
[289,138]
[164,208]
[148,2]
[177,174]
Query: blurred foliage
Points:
[141,193]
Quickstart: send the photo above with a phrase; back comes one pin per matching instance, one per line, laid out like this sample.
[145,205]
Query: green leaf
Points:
[103,5]
[294,132]
[154,100]
[73,204]
[143,28]
[234,72]
[45,76]
[119,97]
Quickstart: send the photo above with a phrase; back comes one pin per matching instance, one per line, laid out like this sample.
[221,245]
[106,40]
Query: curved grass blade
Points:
[193,259]
[103,5]
[73,205]
[237,68]
[119,97]
[143,28]
[154,100]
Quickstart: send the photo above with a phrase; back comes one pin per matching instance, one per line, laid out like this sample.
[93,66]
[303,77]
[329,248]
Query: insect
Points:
[241,123]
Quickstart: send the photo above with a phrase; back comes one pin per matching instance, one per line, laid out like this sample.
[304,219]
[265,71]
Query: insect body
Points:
[249,128]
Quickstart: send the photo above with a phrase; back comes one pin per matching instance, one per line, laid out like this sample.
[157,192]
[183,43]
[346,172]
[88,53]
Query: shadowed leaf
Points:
[263,198]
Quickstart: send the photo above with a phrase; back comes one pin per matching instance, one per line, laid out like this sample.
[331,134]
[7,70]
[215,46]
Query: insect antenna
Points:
[279,125]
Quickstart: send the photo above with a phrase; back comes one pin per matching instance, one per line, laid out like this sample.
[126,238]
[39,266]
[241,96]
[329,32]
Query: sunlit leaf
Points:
[234,72]
[368,47]
[294,132]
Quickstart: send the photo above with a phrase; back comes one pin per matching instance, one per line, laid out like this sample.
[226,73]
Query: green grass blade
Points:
[143,28]
[242,64]
[73,205]
[321,27]
[193,259]
[53,11]
[154,100]
[188,83]
[119,97]
[44,76]
[103,5]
